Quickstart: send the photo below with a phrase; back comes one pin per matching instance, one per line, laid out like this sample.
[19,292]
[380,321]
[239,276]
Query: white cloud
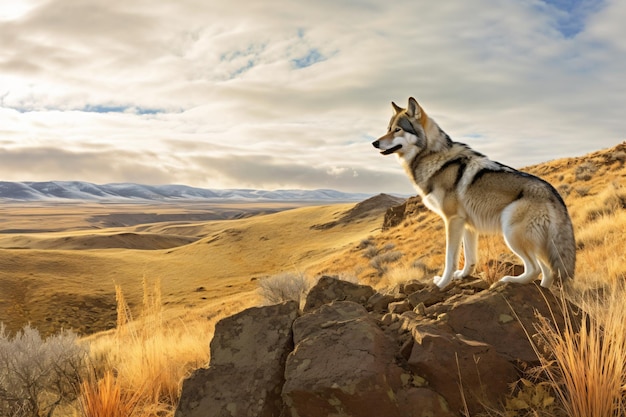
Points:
[284,93]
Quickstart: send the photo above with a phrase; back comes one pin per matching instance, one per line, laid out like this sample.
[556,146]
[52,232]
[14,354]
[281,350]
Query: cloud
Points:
[271,173]
[286,93]
[98,166]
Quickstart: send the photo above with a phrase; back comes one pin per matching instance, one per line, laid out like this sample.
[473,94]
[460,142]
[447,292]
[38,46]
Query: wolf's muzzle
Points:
[391,150]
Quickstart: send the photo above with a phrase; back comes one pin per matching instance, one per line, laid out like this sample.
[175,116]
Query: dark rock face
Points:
[410,208]
[353,352]
[246,373]
[343,363]
[330,289]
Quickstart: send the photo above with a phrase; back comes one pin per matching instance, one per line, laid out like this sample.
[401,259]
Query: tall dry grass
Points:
[143,362]
[584,361]
[106,397]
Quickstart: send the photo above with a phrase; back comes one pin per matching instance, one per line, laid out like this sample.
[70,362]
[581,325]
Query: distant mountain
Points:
[127,192]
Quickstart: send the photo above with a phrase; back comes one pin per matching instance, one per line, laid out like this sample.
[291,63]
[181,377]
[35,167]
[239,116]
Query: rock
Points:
[464,349]
[397,214]
[340,365]
[379,303]
[246,371]
[476,285]
[412,286]
[427,296]
[482,317]
[400,307]
[450,362]
[422,402]
[330,289]
[343,364]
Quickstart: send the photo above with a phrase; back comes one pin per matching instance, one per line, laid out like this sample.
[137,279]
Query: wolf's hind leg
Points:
[548,276]
[522,246]
[470,250]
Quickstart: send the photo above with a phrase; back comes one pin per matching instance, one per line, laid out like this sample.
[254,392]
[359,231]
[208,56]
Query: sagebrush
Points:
[37,375]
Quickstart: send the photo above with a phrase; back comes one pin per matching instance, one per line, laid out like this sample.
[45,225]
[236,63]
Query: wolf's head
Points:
[406,134]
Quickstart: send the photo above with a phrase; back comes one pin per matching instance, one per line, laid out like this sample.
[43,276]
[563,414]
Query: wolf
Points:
[474,194]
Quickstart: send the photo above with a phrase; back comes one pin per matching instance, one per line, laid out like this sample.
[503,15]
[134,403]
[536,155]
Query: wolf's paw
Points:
[497,284]
[441,282]
[520,279]
[460,274]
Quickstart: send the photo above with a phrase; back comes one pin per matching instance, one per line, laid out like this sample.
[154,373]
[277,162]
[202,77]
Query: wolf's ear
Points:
[396,108]
[414,109]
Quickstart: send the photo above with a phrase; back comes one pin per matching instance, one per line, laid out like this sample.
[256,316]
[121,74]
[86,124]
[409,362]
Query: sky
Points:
[283,94]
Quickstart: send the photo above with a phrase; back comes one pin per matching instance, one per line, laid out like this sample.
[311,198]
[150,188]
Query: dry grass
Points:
[149,356]
[585,360]
[223,260]
[285,287]
[106,397]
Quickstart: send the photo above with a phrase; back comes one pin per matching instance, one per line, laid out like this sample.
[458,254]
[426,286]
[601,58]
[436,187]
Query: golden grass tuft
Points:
[149,356]
[584,361]
[106,397]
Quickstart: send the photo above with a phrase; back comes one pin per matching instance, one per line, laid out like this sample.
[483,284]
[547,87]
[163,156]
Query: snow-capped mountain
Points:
[120,192]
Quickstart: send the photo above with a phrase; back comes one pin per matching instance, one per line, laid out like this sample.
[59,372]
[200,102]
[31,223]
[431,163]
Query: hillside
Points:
[59,263]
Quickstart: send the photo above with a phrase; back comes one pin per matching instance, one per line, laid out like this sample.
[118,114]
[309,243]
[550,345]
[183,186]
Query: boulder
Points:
[410,209]
[340,365]
[456,349]
[343,364]
[466,372]
[330,289]
[246,371]
[503,316]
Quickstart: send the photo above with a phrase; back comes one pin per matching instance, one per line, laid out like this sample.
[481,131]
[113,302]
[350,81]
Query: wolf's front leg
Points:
[454,233]
[470,249]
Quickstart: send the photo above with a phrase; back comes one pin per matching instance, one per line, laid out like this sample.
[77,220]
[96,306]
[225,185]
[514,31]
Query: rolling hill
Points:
[56,279]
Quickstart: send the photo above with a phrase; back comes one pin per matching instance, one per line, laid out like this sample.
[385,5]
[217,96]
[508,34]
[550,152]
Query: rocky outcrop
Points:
[413,351]
[330,289]
[372,206]
[409,209]
[246,373]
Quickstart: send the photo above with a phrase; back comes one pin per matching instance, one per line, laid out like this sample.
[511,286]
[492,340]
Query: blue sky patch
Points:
[98,108]
[313,56]
[572,14]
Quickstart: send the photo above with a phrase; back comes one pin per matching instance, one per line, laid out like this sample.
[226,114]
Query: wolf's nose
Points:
[376,144]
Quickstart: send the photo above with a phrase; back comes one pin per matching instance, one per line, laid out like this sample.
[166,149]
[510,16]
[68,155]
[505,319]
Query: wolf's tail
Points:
[562,246]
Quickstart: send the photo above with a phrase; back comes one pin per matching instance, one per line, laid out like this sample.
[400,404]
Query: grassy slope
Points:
[51,284]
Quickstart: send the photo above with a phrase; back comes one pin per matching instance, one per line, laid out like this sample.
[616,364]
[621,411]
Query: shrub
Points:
[370,251]
[583,191]
[585,171]
[366,242]
[380,261]
[284,287]
[564,190]
[36,374]
[609,201]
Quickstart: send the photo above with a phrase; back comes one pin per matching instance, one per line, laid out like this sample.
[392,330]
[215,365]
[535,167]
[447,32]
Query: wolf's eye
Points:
[396,130]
